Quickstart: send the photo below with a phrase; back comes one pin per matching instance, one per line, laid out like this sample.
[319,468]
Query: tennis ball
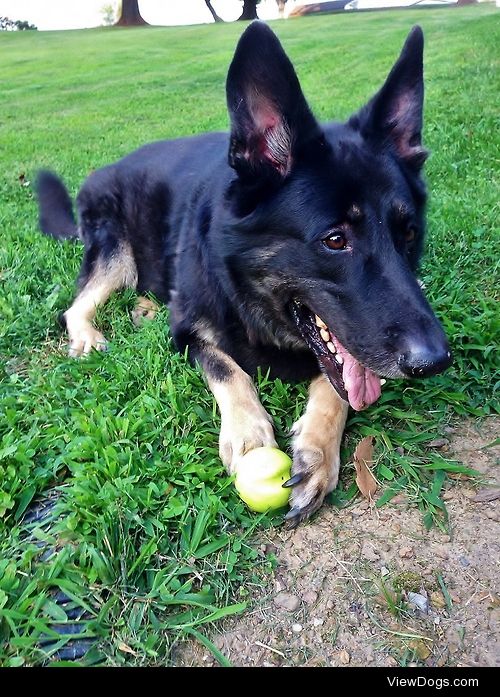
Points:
[260,475]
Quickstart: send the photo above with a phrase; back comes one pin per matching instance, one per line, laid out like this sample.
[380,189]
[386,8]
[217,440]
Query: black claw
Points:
[293,517]
[293,480]
[292,513]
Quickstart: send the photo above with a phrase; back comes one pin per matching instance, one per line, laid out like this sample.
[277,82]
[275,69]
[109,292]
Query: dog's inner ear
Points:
[394,115]
[269,114]
[268,138]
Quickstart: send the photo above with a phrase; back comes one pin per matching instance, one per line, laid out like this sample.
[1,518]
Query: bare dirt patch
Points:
[343,585]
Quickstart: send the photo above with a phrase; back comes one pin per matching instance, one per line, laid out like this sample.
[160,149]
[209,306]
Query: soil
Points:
[340,595]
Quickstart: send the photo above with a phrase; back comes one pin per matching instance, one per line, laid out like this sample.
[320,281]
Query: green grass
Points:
[148,535]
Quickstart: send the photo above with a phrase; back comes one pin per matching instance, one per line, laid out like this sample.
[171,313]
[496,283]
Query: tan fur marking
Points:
[119,272]
[245,424]
[145,309]
[206,332]
[316,445]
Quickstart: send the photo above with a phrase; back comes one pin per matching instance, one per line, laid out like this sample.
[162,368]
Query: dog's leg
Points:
[245,424]
[98,279]
[145,309]
[316,449]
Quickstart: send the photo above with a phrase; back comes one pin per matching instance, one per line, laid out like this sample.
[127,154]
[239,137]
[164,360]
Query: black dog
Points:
[295,253]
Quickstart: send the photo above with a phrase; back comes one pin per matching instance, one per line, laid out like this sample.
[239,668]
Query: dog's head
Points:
[330,220]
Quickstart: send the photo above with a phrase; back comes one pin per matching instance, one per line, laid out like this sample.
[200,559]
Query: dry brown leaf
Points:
[437,443]
[458,476]
[363,457]
[344,657]
[420,648]
[122,646]
[437,600]
[485,495]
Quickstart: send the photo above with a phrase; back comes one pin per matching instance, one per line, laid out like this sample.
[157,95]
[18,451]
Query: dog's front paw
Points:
[243,430]
[84,340]
[145,309]
[313,477]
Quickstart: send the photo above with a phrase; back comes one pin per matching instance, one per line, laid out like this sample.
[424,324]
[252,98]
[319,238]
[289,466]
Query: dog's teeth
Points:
[339,358]
[383,381]
[325,334]
[330,347]
[319,322]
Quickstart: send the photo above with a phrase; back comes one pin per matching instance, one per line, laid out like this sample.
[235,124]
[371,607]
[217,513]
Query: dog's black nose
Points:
[422,361]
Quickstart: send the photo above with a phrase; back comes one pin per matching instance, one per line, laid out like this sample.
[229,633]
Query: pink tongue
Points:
[361,384]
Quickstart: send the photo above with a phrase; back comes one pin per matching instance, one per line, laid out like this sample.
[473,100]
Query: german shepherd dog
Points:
[285,245]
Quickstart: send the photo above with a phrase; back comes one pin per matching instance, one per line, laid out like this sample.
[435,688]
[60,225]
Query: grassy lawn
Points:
[147,536]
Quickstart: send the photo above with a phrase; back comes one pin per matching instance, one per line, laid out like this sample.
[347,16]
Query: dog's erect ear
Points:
[269,114]
[394,115]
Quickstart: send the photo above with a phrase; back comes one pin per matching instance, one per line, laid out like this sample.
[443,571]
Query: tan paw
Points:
[314,475]
[145,309]
[83,341]
[245,429]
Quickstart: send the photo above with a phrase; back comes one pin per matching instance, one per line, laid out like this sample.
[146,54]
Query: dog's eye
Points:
[336,241]
[410,235]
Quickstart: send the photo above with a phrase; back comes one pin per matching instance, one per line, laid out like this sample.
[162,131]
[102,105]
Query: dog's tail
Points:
[55,208]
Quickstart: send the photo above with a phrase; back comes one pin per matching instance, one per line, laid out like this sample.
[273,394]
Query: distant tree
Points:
[129,15]
[281,6]
[249,9]
[213,12]
[108,15]
[7,24]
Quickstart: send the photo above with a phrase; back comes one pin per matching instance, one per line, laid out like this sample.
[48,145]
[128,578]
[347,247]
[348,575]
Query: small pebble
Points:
[418,601]
[287,601]
[318,622]
[494,621]
[437,600]
[468,493]
[310,597]
[368,552]
[438,443]
[406,552]
[344,657]
[441,552]
[384,571]
[296,628]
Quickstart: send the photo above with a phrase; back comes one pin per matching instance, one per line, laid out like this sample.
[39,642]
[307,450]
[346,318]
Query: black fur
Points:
[56,209]
[230,229]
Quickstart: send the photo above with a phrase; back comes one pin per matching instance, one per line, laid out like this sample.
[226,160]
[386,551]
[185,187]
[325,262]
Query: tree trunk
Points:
[213,12]
[249,10]
[130,15]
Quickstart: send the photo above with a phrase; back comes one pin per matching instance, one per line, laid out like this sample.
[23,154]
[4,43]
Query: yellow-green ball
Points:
[260,475]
